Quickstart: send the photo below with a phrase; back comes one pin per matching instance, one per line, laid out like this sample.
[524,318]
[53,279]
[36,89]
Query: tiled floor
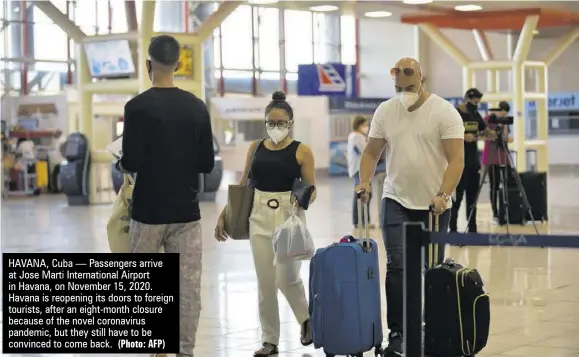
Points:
[535,292]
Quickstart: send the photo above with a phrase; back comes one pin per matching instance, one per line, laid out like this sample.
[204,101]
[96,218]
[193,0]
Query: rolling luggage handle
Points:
[433,226]
[363,218]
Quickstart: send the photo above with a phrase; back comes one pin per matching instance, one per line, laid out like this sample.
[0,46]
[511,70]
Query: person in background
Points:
[25,149]
[56,157]
[356,144]
[495,158]
[272,170]
[424,139]
[168,142]
[475,129]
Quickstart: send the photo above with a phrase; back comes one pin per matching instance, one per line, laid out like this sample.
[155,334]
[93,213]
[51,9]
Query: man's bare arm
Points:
[454,153]
[370,157]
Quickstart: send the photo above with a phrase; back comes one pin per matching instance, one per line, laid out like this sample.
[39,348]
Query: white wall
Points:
[382,43]
[564,72]
[445,74]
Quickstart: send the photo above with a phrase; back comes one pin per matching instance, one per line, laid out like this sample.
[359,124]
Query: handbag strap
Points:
[251,159]
[128,179]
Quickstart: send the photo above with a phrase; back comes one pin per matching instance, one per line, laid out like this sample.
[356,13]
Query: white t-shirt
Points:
[415,160]
[356,145]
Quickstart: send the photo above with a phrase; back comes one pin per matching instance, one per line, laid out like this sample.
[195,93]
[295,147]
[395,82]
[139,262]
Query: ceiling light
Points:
[416,2]
[468,8]
[378,14]
[262,2]
[324,8]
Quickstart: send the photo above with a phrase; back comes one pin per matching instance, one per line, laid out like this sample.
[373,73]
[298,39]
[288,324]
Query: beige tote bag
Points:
[239,205]
[118,226]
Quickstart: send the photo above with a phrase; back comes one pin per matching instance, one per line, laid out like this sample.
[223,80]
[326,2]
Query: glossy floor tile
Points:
[534,291]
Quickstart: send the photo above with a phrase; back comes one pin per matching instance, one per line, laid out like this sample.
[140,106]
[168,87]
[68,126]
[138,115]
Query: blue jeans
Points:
[393,216]
[355,217]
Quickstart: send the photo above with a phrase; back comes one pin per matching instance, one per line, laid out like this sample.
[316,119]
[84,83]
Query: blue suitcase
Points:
[345,305]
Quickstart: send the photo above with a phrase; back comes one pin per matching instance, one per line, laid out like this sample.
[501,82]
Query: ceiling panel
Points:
[398,8]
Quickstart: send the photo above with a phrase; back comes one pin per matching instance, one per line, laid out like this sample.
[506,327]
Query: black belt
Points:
[273,203]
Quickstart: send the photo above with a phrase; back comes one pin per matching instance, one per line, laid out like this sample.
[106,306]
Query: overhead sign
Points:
[108,59]
[355,105]
[185,70]
[331,79]
[559,101]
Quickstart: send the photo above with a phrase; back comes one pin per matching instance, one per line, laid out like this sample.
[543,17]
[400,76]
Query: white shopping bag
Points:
[292,241]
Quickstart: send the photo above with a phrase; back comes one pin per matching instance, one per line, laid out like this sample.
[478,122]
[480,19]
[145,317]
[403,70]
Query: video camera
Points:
[494,119]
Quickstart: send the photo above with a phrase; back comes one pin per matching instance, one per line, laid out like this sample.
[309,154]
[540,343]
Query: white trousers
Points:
[270,210]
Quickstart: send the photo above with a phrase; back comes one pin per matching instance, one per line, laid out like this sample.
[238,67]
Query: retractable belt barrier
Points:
[416,239]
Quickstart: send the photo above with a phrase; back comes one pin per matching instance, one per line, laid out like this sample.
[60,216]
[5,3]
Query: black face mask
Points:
[472,107]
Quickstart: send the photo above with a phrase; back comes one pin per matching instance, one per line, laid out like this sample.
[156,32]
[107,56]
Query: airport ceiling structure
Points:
[395,10]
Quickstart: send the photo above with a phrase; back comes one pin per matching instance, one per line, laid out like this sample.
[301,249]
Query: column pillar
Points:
[542,108]
[85,112]
[518,108]
[145,34]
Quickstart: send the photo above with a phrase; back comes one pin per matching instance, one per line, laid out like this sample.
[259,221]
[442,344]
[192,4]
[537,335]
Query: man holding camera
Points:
[496,153]
[474,128]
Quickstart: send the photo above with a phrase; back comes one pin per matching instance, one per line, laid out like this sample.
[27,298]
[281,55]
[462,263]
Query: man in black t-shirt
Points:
[168,142]
[474,128]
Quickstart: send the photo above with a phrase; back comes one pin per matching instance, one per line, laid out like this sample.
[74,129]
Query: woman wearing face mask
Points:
[356,144]
[276,164]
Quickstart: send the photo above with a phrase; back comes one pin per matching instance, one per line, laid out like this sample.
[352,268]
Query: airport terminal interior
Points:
[70,66]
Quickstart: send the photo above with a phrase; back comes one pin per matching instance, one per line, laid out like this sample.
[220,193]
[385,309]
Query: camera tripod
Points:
[501,147]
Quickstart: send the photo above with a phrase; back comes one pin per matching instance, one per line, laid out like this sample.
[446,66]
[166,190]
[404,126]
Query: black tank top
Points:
[275,170]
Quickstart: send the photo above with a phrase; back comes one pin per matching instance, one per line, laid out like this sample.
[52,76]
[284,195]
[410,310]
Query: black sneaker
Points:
[395,345]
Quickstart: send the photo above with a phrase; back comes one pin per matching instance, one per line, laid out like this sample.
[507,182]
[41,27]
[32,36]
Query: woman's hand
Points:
[220,234]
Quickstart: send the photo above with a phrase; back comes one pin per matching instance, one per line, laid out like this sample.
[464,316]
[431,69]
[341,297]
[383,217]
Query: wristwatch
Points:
[445,196]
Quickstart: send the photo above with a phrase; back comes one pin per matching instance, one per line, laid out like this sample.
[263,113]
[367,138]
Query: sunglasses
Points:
[407,71]
[281,124]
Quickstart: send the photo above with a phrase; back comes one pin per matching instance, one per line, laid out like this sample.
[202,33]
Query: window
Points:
[85,16]
[348,39]
[268,34]
[217,48]
[118,17]
[102,17]
[49,39]
[299,38]
[237,44]
[320,38]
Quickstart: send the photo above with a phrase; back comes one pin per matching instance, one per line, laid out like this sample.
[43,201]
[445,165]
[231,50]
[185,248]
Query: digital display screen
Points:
[109,59]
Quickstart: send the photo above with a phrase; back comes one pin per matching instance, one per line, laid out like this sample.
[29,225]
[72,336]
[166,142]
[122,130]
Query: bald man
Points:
[424,139]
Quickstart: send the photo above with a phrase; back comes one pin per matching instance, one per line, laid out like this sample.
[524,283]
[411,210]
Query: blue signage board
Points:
[331,79]
[559,102]
[355,105]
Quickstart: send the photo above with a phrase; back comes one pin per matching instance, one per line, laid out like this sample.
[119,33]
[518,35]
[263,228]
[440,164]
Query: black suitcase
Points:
[456,311]
[515,207]
[535,185]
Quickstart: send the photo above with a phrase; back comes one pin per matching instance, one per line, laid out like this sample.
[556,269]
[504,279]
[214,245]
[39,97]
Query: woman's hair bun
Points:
[278,96]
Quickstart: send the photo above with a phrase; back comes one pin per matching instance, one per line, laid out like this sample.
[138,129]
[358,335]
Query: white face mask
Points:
[408,99]
[277,135]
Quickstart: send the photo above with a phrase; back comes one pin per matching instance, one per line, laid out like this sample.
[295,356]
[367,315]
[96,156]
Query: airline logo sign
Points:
[331,79]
